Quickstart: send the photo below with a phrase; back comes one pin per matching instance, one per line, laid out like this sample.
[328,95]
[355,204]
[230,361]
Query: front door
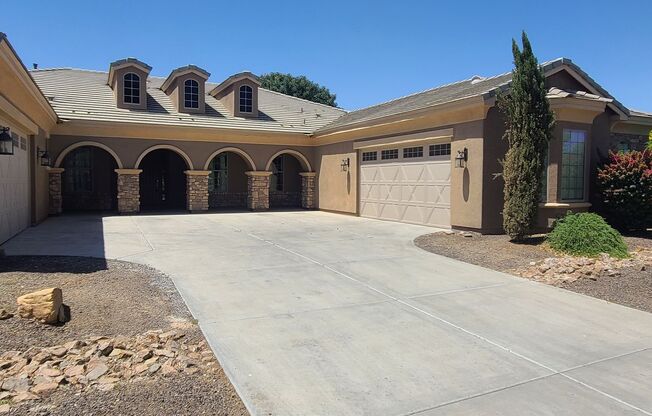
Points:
[162,182]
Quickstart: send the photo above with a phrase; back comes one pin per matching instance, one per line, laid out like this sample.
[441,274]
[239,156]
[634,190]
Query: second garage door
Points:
[407,184]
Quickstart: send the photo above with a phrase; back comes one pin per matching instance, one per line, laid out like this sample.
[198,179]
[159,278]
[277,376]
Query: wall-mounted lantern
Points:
[43,156]
[345,164]
[461,158]
[6,142]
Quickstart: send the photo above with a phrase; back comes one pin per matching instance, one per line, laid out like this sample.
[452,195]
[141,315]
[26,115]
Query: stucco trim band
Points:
[197,172]
[128,171]
[406,138]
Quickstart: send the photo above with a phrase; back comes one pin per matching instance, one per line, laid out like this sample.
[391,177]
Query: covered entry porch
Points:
[91,176]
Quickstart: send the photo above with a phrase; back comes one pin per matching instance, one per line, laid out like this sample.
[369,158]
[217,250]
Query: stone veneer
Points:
[128,190]
[258,190]
[197,190]
[55,205]
[308,189]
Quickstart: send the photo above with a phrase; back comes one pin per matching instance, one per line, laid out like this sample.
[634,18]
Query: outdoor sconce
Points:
[44,156]
[461,158]
[345,164]
[6,142]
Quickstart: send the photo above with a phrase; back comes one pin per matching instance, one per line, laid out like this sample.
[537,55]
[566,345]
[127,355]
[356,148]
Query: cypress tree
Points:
[529,124]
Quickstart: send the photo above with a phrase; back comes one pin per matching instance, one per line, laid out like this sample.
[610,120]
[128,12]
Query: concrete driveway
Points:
[313,313]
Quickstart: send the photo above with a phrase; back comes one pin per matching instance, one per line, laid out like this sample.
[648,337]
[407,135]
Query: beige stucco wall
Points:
[467,183]
[336,189]
[40,179]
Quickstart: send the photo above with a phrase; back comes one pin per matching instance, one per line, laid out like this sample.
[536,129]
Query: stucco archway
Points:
[302,159]
[240,152]
[67,150]
[175,149]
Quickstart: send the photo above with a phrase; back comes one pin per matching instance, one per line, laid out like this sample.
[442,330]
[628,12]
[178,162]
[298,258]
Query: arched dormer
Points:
[239,93]
[128,80]
[186,87]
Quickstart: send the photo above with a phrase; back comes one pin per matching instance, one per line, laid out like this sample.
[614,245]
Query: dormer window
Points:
[186,88]
[239,94]
[246,99]
[128,80]
[131,88]
[191,94]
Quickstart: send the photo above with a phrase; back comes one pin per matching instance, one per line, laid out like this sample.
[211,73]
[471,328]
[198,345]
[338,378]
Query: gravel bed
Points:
[632,287]
[109,298]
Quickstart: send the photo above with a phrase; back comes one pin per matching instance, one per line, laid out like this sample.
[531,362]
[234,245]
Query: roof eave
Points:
[472,100]
[182,71]
[234,78]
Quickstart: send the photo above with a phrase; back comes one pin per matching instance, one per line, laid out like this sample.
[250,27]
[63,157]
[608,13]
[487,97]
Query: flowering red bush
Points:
[625,184]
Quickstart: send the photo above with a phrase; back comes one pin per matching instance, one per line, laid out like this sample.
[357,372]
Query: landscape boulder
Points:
[44,305]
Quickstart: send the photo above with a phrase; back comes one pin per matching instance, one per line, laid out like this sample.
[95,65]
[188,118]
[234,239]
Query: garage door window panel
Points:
[389,154]
[369,156]
[443,149]
[412,152]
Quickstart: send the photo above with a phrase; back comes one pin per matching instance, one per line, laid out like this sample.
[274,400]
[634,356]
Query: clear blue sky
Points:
[365,52]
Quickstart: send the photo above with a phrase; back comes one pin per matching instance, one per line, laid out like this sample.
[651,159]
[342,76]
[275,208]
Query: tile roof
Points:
[77,94]
[472,87]
[555,92]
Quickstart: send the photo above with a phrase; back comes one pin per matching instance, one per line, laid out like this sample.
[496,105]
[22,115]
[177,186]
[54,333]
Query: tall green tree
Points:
[529,126]
[298,86]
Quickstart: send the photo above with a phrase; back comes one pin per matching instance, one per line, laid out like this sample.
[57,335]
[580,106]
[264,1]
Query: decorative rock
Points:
[97,371]
[105,347]
[5,408]
[5,315]
[17,384]
[24,397]
[82,365]
[168,369]
[49,372]
[43,305]
[140,368]
[58,351]
[165,353]
[142,355]
[74,371]
[45,388]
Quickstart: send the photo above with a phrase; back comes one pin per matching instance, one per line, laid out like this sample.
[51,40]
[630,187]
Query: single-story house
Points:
[128,142]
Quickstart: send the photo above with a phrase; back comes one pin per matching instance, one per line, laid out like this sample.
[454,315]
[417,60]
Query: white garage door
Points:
[407,184]
[14,190]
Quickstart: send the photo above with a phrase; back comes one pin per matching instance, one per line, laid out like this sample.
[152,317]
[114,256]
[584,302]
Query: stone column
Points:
[197,190]
[128,190]
[55,200]
[258,190]
[308,189]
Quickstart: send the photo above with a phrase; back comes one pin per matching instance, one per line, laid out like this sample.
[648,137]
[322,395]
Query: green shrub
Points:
[586,234]
[625,185]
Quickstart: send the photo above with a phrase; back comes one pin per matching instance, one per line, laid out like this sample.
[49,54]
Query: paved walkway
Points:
[313,313]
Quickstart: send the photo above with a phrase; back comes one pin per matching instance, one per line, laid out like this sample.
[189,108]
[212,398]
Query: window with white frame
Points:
[411,152]
[442,149]
[246,99]
[191,94]
[369,156]
[389,154]
[131,88]
[572,165]
[218,180]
